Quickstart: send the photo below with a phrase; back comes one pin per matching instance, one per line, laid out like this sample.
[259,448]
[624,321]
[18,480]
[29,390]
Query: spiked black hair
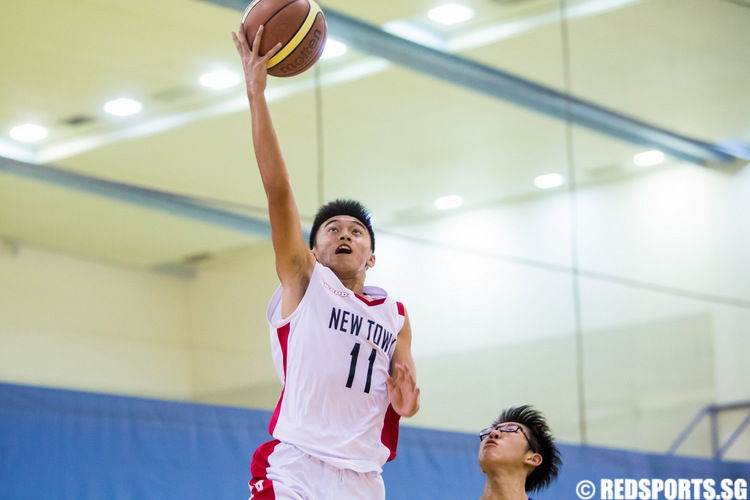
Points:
[543,442]
[342,207]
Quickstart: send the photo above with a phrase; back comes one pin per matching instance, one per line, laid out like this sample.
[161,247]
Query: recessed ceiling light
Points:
[333,48]
[220,79]
[548,181]
[29,132]
[451,13]
[648,158]
[123,107]
[448,202]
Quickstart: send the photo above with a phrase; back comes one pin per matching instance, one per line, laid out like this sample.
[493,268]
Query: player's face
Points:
[343,242]
[505,447]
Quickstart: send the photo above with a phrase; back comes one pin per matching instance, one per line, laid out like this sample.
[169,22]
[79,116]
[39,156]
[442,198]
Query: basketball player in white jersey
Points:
[341,349]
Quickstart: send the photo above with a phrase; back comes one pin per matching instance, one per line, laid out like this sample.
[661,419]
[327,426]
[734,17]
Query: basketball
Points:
[299,25]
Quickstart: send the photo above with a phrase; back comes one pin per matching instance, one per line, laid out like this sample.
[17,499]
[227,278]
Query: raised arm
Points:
[294,260]
[402,384]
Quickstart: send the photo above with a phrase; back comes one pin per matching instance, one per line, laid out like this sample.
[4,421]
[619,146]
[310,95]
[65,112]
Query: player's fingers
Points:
[256,42]
[240,42]
[407,372]
[242,37]
[390,384]
[242,33]
[397,372]
[268,55]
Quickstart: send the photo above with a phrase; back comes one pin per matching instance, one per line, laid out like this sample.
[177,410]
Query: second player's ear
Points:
[535,459]
[370,261]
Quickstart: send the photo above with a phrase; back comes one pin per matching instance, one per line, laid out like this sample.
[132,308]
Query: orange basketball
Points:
[299,25]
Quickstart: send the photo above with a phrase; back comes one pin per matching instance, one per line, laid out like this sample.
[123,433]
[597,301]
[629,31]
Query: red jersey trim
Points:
[401,309]
[389,434]
[283,334]
[370,303]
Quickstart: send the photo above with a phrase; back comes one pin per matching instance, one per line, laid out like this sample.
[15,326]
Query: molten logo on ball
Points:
[302,61]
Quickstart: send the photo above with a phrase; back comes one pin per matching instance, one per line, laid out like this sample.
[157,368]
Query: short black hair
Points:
[541,437]
[342,207]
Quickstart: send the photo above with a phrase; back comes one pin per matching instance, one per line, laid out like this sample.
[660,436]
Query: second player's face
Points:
[508,448]
[343,242]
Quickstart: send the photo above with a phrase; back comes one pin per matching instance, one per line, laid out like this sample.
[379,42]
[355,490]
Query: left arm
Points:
[402,384]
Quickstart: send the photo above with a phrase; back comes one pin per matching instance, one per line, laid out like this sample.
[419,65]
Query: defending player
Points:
[518,454]
[341,349]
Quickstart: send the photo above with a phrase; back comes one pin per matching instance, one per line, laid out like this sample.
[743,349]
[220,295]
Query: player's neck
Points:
[503,487]
[354,283]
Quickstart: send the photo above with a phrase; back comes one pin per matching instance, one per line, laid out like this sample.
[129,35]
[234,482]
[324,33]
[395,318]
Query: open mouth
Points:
[343,249]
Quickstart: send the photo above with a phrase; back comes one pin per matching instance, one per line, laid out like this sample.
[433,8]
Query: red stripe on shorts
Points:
[261,488]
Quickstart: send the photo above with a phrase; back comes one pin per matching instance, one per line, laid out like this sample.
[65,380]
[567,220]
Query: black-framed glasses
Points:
[505,428]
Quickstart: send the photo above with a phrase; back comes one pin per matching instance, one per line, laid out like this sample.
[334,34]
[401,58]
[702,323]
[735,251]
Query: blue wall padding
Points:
[62,444]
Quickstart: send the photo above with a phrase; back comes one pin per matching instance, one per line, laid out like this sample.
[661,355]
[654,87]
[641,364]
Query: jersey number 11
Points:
[353,367]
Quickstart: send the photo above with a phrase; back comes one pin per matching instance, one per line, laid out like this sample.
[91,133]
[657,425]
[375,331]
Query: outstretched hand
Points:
[254,64]
[402,390]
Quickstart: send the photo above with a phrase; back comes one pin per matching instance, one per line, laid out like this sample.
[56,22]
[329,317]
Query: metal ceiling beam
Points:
[170,203]
[502,85]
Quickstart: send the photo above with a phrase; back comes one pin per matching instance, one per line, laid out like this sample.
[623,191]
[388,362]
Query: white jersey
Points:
[333,356]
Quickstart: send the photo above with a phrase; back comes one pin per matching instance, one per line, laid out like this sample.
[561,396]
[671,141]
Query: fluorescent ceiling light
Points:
[123,107]
[649,158]
[220,79]
[333,48]
[548,181]
[29,132]
[448,202]
[451,13]
[415,33]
